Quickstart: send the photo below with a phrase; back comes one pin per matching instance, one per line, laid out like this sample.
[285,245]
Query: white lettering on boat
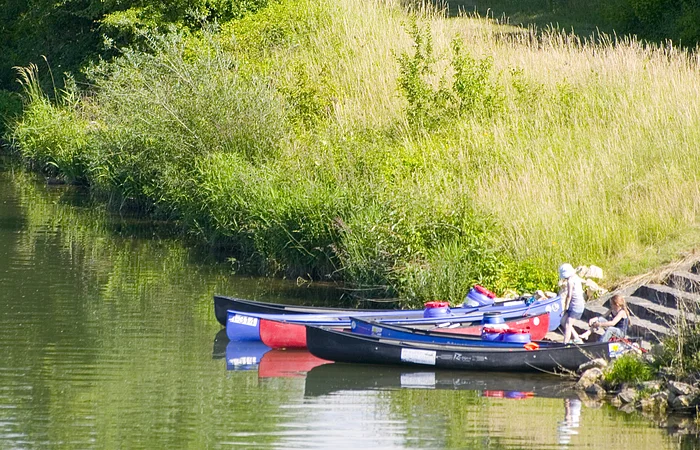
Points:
[244,320]
[469,358]
[418,356]
[243,361]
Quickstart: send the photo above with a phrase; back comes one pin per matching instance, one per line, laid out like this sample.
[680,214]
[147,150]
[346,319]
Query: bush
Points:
[472,92]
[160,111]
[52,135]
[628,368]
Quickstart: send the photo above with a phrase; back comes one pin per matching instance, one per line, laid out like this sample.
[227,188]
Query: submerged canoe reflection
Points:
[270,363]
[329,378]
[293,363]
[244,355]
[220,342]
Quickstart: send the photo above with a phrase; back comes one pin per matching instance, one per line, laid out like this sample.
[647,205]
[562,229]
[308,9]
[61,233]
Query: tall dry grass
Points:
[596,161]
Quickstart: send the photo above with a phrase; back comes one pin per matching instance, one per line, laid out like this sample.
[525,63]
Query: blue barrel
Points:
[476,298]
[491,334]
[436,309]
[492,318]
[522,338]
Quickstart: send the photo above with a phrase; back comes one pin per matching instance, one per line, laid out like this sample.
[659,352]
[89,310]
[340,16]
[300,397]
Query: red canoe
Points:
[288,335]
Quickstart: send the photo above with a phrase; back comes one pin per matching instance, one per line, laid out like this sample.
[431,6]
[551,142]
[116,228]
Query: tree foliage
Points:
[678,20]
[70,33]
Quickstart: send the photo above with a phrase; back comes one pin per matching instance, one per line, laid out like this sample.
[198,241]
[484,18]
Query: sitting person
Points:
[615,321]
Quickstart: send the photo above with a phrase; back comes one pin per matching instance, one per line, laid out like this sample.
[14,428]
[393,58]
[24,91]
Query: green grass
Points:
[313,140]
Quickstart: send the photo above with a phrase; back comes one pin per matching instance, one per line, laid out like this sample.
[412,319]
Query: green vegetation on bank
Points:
[409,156]
[629,368]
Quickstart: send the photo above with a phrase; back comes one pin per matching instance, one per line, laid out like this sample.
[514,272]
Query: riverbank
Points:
[316,139]
[629,384]
[661,378]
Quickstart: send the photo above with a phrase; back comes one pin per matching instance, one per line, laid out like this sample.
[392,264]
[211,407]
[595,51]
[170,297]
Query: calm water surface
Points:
[108,340]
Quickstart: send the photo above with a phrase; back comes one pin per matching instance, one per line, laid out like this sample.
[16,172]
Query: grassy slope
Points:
[289,140]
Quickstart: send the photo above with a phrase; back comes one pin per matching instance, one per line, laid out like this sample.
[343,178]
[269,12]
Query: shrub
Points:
[628,368]
[475,92]
[52,135]
[160,111]
[472,93]
[413,70]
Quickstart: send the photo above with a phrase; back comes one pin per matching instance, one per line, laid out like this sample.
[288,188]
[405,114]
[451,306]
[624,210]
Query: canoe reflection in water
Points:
[244,355]
[329,378]
[220,342]
[324,377]
[270,363]
[292,363]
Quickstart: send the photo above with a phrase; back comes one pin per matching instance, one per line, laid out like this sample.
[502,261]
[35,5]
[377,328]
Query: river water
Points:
[108,340]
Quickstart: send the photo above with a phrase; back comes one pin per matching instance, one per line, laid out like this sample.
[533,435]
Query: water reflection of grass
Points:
[466,419]
[118,349]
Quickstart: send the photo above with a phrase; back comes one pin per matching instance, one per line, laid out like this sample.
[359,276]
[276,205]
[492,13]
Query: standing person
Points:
[615,321]
[574,302]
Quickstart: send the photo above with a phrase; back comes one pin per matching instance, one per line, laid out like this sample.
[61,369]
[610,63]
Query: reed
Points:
[52,136]
[680,353]
[288,136]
